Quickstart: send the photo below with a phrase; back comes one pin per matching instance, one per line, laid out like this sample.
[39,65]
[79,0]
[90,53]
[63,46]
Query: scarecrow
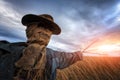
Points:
[31,60]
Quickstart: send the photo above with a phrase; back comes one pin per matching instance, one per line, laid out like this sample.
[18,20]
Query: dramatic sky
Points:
[82,22]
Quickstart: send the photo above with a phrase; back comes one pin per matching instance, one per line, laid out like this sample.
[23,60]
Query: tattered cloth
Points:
[12,52]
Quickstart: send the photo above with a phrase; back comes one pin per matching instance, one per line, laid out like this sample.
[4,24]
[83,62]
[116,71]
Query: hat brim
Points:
[29,18]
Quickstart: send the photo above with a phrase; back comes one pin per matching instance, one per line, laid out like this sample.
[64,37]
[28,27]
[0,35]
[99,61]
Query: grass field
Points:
[92,68]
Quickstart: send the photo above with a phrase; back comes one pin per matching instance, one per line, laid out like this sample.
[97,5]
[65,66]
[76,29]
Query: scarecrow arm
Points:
[63,59]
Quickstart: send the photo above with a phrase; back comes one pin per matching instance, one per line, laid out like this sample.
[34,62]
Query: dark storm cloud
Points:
[100,3]
[8,33]
[36,6]
[84,9]
[93,9]
[20,3]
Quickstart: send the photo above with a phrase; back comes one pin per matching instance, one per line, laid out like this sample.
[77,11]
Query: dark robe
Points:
[12,52]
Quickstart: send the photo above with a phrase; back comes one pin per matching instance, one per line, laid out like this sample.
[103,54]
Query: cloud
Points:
[9,16]
[81,20]
[10,25]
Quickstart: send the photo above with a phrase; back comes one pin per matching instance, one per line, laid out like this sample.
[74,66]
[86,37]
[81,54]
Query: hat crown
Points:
[48,17]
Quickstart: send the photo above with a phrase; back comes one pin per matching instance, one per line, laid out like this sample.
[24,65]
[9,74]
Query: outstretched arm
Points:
[65,59]
[68,59]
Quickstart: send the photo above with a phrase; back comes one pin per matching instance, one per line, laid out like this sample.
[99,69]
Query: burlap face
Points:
[38,35]
[34,56]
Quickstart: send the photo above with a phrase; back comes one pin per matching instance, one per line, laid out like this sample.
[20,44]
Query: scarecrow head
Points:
[40,28]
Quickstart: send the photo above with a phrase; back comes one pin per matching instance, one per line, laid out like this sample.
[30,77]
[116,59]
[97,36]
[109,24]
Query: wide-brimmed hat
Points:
[43,18]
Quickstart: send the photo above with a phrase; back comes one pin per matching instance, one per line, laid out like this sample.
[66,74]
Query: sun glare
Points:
[108,48]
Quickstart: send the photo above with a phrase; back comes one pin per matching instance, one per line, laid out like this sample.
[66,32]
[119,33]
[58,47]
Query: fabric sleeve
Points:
[65,59]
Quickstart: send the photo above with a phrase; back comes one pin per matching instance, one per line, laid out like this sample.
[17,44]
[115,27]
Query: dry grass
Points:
[92,68]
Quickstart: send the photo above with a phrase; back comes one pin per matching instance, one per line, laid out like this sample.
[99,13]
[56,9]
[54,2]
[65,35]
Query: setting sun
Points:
[108,48]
